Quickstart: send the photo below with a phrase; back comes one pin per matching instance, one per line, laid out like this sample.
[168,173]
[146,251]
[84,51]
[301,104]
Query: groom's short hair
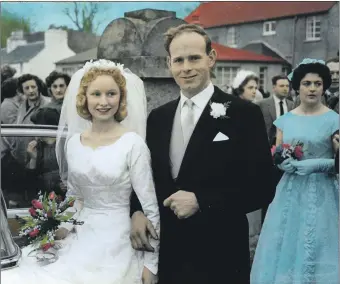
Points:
[186,28]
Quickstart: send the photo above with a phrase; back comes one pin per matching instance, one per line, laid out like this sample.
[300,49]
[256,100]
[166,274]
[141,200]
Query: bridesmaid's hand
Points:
[287,166]
[148,277]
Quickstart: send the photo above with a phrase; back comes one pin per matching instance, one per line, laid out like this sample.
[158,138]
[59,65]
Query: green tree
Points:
[12,22]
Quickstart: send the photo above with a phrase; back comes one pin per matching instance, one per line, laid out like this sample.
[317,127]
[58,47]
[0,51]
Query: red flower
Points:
[34,233]
[51,196]
[37,204]
[32,212]
[45,247]
[286,146]
[298,152]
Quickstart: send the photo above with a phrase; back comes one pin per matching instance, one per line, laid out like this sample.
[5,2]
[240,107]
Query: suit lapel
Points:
[272,109]
[168,126]
[203,134]
[289,105]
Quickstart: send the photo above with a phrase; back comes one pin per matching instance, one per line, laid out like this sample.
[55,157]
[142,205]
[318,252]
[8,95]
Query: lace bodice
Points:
[102,176]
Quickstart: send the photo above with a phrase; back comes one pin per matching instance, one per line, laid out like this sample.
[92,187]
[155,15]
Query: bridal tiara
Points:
[102,64]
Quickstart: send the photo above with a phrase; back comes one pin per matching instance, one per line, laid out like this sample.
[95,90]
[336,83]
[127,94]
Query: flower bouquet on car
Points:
[46,214]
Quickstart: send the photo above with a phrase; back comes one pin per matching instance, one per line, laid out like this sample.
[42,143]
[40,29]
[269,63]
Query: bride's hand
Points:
[148,277]
[61,233]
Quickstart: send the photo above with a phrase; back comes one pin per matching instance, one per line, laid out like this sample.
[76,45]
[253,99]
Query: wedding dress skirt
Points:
[100,251]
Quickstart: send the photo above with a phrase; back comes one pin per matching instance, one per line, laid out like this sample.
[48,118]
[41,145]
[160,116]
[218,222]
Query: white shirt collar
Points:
[277,100]
[201,99]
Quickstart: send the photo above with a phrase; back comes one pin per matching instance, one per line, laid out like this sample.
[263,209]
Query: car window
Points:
[28,166]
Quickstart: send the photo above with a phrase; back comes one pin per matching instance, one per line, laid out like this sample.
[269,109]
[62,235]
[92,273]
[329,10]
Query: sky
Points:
[43,14]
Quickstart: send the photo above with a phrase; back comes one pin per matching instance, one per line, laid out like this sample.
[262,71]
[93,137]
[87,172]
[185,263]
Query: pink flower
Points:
[298,152]
[37,204]
[32,212]
[51,196]
[45,247]
[285,146]
[34,233]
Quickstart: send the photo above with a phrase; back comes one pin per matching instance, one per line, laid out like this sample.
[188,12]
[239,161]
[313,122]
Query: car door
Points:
[20,183]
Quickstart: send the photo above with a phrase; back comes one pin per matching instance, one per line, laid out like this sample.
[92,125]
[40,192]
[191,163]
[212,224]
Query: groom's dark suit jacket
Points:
[229,178]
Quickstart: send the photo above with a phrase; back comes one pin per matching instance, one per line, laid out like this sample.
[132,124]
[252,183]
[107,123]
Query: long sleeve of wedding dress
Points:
[77,206]
[142,182]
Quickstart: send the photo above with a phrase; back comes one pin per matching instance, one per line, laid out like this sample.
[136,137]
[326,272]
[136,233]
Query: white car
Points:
[19,186]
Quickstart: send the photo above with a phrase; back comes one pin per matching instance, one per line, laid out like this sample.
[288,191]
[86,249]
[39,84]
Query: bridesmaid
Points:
[300,235]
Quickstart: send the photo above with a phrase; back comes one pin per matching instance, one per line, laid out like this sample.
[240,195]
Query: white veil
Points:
[71,123]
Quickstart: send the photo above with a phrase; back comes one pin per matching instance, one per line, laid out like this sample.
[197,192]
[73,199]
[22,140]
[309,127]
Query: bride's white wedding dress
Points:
[100,251]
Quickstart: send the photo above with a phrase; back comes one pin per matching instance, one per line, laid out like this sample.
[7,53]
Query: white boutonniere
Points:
[219,110]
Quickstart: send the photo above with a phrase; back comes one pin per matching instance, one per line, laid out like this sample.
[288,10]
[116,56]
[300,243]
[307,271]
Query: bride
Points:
[102,160]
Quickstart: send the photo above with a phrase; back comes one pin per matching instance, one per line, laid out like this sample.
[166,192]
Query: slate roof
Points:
[78,41]
[80,57]
[22,53]
[214,14]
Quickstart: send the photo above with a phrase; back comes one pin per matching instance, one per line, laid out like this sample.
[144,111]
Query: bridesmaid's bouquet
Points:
[286,151]
[46,214]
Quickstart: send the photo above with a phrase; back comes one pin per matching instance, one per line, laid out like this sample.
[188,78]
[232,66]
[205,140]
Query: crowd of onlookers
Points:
[23,96]
[29,163]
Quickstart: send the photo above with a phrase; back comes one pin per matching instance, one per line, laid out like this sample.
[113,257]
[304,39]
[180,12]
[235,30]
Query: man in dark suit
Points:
[273,107]
[210,159]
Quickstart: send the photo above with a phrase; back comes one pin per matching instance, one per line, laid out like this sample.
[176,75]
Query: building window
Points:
[225,76]
[269,28]
[263,78]
[231,37]
[313,28]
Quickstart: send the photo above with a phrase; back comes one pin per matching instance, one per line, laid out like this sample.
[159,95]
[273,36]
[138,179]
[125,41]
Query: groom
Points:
[210,159]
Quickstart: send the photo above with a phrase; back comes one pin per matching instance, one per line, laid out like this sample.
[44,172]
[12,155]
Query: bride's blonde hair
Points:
[89,77]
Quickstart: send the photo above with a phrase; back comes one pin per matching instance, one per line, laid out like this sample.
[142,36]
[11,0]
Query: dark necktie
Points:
[282,112]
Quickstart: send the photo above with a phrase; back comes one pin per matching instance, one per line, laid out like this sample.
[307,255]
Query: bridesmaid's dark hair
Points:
[317,68]
[240,89]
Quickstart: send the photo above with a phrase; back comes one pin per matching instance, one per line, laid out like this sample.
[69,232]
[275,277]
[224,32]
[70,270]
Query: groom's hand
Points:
[140,228]
[183,203]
